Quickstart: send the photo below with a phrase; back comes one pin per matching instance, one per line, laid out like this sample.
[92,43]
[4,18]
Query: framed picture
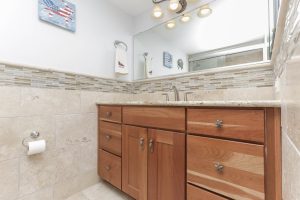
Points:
[167,60]
[58,12]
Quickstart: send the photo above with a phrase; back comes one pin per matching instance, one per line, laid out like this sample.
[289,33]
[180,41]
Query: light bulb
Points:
[174,5]
[171,24]
[185,18]
[204,11]
[157,12]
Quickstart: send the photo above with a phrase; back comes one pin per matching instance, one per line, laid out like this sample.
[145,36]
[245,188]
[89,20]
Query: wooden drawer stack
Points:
[226,153]
[110,144]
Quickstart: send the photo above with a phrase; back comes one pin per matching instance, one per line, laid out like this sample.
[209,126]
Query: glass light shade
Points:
[171,24]
[204,11]
[157,12]
[185,18]
[174,5]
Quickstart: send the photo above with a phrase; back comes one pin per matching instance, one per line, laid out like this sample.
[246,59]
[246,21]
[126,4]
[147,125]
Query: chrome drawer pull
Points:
[142,143]
[151,145]
[219,123]
[107,168]
[219,167]
[108,114]
[108,137]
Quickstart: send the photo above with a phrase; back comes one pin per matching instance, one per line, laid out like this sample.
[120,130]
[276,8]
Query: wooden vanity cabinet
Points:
[184,153]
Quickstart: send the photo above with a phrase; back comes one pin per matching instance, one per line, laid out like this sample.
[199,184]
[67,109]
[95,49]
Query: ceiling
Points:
[133,7]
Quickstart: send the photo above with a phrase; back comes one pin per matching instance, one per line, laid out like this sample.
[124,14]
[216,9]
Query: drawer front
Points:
[195,193]
[109,168]
[110,113]
[233,169]
[245,125]
[156,117]
[110,137]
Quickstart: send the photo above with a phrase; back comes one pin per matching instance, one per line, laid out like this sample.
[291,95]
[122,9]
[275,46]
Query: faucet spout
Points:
[176,93]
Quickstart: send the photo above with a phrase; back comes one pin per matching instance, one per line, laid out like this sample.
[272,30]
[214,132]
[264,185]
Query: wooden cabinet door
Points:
[134,161]
[166,165]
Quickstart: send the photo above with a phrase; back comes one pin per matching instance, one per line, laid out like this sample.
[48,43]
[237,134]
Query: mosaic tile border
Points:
[11,75]
[32,77]
[238,78]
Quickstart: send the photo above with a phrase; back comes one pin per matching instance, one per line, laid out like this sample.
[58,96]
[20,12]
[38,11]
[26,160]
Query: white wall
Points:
[155,45]
[24,39]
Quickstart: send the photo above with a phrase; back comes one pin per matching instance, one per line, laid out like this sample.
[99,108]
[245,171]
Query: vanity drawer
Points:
[233,169]
[110,137]
[110,113]
[245,125]
[109,168]
[156,117]
[195,193]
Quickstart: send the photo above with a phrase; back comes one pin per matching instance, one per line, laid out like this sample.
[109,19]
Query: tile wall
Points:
[288,72]
[67,120]
[62,107]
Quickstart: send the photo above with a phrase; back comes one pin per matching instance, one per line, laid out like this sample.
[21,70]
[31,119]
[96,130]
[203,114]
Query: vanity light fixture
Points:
[171,24]
[185,18]
[174,5]
[157,12]
[204,11]
[177,6]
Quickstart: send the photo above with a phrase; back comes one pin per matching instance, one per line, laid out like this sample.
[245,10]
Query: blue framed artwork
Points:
[58,12]
[167,60]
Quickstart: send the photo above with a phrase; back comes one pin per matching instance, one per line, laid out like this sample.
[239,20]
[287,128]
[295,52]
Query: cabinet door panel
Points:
[134,161]
[166,165]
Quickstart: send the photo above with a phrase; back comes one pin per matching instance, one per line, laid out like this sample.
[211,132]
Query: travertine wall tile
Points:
[291,166]
[10,101]
[37,172]
[36,101]
[287,71]
[9,176]
[15,129]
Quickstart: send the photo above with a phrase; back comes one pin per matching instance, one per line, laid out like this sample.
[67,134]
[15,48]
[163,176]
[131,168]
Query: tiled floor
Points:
[102,191]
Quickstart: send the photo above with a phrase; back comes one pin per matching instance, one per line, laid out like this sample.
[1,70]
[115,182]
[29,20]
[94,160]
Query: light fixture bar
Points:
[158,1]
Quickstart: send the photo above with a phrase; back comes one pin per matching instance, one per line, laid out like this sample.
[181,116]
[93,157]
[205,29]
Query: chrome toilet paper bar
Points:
[33,135]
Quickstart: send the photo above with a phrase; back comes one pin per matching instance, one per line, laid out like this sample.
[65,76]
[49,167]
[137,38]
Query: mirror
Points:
[235,33]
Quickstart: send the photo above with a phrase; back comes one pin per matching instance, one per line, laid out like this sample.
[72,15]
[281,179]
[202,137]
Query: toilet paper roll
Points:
[36,147]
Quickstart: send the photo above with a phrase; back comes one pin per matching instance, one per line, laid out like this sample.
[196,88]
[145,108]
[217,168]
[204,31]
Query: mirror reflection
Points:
[221,33]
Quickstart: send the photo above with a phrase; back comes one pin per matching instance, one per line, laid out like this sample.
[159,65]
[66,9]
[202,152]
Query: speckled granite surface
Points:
[262,103]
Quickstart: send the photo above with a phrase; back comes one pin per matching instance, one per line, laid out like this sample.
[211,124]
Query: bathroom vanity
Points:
[191,150]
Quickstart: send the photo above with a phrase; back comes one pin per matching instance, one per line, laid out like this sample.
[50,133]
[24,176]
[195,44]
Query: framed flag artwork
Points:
[58,12]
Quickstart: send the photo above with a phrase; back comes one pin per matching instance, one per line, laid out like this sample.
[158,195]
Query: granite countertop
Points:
[250,103]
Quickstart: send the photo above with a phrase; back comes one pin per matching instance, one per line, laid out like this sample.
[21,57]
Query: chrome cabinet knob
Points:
[108,114]
[108,137]
[107,168]
[219,123]
[219,167]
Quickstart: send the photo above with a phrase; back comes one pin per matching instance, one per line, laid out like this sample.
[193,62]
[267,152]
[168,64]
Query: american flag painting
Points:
[59,12]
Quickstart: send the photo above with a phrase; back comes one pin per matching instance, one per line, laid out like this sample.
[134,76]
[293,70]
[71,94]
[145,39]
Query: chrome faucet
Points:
[176,93]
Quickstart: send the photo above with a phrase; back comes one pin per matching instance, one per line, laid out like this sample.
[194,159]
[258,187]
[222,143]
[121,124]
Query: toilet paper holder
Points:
[33,135]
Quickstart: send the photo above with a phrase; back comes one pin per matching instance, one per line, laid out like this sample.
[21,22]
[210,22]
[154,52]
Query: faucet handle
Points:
[186,95]
[167,96]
